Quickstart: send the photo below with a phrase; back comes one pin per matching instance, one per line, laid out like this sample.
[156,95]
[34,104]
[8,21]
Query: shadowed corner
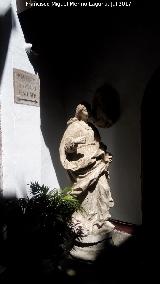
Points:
[122,259]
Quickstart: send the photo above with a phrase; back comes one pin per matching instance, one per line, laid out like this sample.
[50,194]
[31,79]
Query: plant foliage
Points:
[44,220]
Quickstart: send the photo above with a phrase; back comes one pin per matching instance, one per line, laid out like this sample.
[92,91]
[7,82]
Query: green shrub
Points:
[43,220]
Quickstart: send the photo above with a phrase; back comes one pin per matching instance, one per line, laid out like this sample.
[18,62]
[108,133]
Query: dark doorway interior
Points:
[149,151]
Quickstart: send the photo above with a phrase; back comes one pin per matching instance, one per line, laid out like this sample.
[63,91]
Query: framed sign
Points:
[26,88]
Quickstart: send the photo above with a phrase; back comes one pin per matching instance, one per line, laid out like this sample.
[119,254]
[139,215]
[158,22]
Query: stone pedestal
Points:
[90,247]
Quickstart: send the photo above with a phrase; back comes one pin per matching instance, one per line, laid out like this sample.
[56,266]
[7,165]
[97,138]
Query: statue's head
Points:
[83,111]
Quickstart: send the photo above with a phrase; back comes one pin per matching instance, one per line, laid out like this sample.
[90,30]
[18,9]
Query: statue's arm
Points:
[71,143]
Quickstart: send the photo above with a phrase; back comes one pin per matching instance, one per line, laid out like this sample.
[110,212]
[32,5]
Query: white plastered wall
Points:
[22,141]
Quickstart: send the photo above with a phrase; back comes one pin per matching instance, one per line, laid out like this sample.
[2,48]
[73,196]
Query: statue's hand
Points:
[108,158]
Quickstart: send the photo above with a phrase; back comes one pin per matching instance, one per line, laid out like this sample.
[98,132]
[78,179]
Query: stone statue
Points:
[86,160]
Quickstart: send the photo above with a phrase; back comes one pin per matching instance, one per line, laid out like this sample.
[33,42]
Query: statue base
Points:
[90,247]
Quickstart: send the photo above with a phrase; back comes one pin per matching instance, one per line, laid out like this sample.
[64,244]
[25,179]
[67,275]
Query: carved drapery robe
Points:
[84,160]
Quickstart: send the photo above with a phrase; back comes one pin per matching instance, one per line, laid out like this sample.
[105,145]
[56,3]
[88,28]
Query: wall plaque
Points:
[26,88]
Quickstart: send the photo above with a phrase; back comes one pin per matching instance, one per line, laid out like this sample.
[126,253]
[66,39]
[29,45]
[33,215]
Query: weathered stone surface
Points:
[120,237]
[90,252]
[86,160]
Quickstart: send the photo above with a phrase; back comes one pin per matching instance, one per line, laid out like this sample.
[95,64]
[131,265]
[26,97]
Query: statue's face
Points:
[83,114]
